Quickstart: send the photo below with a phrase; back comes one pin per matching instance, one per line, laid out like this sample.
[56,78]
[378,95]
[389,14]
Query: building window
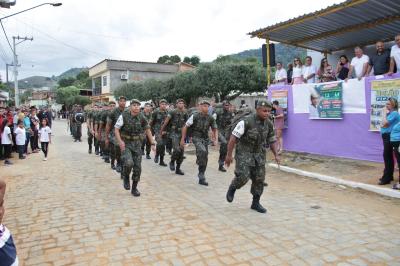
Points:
[96,86]
[104,81]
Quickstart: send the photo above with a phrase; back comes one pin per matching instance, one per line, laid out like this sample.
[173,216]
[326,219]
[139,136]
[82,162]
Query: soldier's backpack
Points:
[240,115]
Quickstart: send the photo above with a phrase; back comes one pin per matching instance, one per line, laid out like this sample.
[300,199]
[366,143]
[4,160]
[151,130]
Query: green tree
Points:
[165,59]
[76,99]
[83,81]
[63,93]
[65,82]
[187,60]
[195,60]
[175,59]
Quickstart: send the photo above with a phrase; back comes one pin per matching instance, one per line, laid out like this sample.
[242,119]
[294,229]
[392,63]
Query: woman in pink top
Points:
[279,124]
[297,76]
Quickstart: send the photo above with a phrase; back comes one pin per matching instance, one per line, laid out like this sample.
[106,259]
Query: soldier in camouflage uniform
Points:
[200,123]
[115,152]
[89,125]
[252,135]
[102,132]
[147,112]
[78,120]
[176,119]
[224,120]
[95,125]
[72,125]
[129,132]
[157,119]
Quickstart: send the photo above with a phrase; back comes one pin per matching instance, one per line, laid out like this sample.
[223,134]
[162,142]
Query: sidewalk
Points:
[350,172]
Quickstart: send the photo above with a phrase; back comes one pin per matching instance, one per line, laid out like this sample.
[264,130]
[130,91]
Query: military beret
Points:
[205,102]
[135,101]
[180,101]
[121,98]
[147,104]
[163,101]
[111,102]
[264,103]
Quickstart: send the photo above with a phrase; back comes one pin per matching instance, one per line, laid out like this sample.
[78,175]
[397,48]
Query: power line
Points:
[6,36]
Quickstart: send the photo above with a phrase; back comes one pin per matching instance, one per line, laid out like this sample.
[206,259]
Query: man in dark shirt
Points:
[380,61]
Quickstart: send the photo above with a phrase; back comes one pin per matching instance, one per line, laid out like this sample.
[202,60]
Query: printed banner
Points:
[381,91]
[282,97]
[353,97]
[326,101]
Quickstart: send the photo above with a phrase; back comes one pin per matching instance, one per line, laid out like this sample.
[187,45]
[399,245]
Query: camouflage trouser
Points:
[201,151]
[115,151]
[132,159]
[146,144]
[96,144]
[90,138]
[223,146]
[73,129]
[161,141]
[169,142]
[244,171]
[77,131]
[177,152]
[103,147]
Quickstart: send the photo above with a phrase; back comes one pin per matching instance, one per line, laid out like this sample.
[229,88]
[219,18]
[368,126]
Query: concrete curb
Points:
[379,190]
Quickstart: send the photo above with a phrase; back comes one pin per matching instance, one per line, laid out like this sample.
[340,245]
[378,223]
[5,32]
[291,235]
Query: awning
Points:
[340,26]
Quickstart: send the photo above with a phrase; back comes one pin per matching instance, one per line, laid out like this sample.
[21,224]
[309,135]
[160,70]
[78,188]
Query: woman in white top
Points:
[44,137]
[280,74]
[297,76]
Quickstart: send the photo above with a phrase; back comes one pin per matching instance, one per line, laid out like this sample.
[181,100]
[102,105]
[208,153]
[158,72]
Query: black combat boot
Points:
[172,165]
[221,166]
[255,205]
[162,161]
[113,164]
[107,159]
[127,184]
[202,178]
[118,168]
[148,156]
[96,151]
[231,193]
[90,149]
[134,191]
[178,170]
[156,158]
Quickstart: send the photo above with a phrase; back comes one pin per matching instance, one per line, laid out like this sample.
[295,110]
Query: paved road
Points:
[72,210]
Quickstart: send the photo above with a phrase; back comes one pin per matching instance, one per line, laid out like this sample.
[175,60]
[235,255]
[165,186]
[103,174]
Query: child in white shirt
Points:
[44,137]
[20,139]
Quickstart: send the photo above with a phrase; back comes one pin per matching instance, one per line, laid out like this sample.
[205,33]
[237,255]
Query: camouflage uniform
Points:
[250,155]
[96,123]
[177,122]
[224,120]
[200,126]
[102,125]
[146,143]
[132,132]
[157,119]
[89,122]
[114,150]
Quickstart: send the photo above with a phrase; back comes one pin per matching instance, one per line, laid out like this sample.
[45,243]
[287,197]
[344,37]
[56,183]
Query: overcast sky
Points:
[84,32]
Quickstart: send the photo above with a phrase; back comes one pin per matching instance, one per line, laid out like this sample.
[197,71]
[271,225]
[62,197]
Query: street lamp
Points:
[52,4]
[15,63]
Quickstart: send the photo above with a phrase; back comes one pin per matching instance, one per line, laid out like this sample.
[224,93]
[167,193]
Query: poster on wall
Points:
[381,91]
[282,97]
[326,101]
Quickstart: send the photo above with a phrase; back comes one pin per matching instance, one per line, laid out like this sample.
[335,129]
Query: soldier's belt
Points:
[134,137]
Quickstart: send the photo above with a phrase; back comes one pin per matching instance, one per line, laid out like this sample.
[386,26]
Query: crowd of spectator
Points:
[21,131]
[382,62]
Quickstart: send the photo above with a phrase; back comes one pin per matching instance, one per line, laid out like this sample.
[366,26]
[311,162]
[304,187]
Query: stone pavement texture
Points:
[72,210]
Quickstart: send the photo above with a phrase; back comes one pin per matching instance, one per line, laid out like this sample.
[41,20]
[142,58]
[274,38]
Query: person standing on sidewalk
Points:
[157,120]
[45,137]
[224,120]
[176,118]
[115,152]
[201,122]
[130,128]
[20,138]
[251,136]
[6,141]
[390,118]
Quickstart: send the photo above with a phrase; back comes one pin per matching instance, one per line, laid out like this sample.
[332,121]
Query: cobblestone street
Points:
[73,209]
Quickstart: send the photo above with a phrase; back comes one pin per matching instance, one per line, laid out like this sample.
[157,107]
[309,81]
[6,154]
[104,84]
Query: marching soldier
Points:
[224,120]
[129,131]
[95,127]
[103,136]
[157,119]
[78,120]
[176,118]
[115,152]
[252,135]
[89,125]
[200,123]
[147,112]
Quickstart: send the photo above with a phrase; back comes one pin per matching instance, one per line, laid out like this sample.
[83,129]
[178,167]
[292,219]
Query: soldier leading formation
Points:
[121,136]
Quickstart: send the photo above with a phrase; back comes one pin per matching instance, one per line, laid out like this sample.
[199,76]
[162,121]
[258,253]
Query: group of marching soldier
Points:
[122,135]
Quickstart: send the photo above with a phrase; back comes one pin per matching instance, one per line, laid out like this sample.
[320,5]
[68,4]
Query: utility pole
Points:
[15,63]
